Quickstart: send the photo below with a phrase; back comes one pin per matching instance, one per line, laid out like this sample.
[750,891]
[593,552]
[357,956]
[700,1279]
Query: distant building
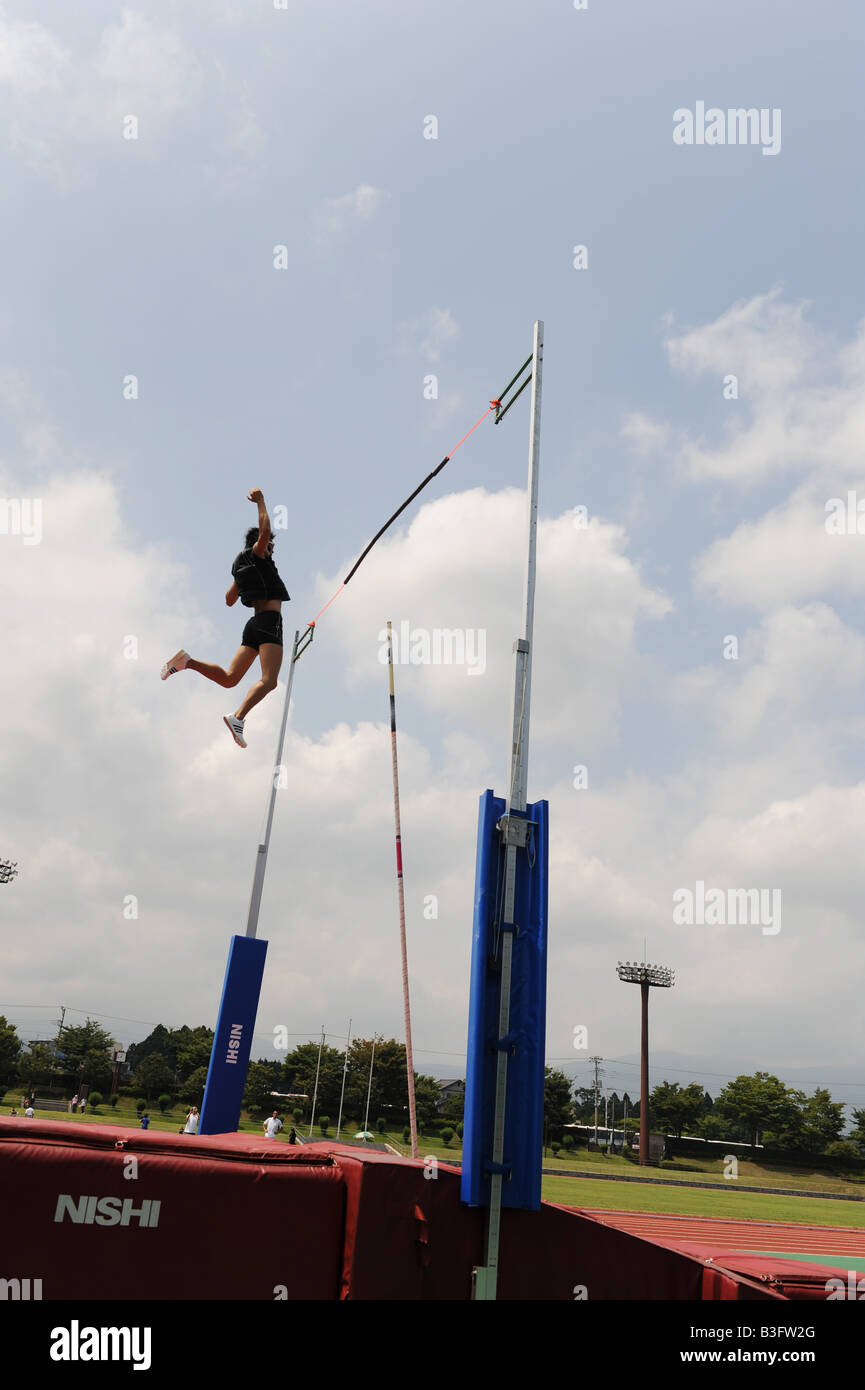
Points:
[448,1090]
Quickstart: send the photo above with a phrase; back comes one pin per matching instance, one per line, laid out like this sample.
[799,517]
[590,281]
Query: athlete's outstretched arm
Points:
[264,531]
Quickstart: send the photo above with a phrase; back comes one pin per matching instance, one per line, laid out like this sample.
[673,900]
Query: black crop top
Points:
[257,579]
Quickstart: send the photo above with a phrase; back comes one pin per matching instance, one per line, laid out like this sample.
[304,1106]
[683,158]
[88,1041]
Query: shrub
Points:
[164,1103]
[406,1135]
[94,1100]
[324,1123]
[554,1148]
[112,1100]
[381,1125]
[446,1136]
[460,1130]
[297,1116]
[842,1148]
[140,1105]
[568,1142]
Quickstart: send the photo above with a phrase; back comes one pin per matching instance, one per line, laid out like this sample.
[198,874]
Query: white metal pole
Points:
[487,1277]
[369,1090]
[315,1087]
[342,1089]
[261,856]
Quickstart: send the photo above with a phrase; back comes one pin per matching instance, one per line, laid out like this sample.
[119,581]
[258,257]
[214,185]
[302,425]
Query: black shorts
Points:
[261,628]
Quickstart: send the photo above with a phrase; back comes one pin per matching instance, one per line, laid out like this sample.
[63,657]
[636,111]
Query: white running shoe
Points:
[235,727]
[177,663]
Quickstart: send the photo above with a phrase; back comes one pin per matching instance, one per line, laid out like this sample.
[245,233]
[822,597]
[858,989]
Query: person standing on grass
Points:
[191,1126]
[273,1125]
[256,582]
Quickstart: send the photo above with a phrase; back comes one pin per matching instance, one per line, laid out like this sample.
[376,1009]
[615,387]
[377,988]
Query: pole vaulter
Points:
[257,583]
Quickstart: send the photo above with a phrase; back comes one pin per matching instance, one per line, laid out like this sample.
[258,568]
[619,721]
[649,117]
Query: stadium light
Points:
[645,975]
[8,870]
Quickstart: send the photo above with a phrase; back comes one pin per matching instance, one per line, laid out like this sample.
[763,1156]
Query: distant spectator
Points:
[273,1125]
[74,1104]
[145,1120]
[191,1126]
[81,1105]
[292,1136]
[13,1111]
[30,1112]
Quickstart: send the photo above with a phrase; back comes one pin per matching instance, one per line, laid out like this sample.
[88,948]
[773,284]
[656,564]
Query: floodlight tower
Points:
[645,976]
[8,870]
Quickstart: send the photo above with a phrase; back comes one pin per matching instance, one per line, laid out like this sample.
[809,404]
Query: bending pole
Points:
[261,856]
[409,1062]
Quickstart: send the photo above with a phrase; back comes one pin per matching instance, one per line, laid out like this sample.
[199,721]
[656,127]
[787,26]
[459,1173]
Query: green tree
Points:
[36,1065]
[261,1079]
[842,1148]
[192,1090]
[557,1100]
[154,1074]
[94,1100]
[426,1097]
[299,1072]
[158,1041]
[85,1053]
[822,1121]
[10,1048]
[857,1133]
[192,1048]
[446,1136]
[714,1126]
[676,1107]
[757,1103]
[584,1105]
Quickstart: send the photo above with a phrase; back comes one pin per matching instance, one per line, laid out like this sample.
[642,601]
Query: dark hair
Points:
[251,537]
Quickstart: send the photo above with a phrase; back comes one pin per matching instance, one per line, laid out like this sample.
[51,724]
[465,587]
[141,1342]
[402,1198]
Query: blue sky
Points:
[407,256]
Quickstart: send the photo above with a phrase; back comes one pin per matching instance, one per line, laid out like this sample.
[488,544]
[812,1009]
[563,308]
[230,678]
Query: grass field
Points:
[688,1201]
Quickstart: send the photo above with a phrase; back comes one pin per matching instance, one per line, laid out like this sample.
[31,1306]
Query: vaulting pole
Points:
[409,1062]
[264,846]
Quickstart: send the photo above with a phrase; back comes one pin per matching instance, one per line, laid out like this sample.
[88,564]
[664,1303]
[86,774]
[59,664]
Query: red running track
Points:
[678,1231]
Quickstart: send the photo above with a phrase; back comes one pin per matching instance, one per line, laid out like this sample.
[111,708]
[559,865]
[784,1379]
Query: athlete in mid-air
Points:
[257,584]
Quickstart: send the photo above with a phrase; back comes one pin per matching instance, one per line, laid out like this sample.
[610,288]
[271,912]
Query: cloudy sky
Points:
[232,257]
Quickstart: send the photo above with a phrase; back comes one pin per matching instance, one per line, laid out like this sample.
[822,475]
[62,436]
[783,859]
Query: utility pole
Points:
[596,1062]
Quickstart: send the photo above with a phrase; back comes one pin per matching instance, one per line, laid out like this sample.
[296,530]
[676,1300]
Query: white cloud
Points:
[644,434]
[453,568]
[65,101]
[335,218]
[791,416]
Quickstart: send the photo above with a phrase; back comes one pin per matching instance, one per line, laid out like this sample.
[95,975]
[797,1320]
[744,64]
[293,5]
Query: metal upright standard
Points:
[514,831]
[406,999]
[232,1040]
